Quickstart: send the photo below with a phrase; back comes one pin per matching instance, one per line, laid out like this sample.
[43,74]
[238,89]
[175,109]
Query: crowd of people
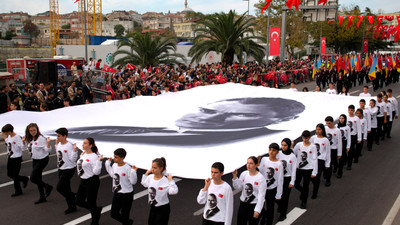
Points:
[267,181]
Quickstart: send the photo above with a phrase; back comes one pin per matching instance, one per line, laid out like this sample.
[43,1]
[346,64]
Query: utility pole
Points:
[86,40]
[283,36]
[268,35]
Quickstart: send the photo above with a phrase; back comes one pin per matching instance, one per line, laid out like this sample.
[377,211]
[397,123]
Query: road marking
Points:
[108,207]
[370,86]
[393,212]
[398,96]
[44,173]
[200,211]
[292,216]
[353,92]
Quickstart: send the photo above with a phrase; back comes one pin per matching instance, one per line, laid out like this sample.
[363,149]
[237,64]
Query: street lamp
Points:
[248,6]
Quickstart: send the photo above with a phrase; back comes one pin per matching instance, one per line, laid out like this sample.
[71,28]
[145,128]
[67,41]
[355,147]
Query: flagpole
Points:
[86,41]
[268,35]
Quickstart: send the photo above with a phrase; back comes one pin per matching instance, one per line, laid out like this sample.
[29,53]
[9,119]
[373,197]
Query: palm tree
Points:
[145,50]
[225,34]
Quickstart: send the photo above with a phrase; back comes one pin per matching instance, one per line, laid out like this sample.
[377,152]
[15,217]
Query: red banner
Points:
[341,17]
[360,18]
[371,19]
[380,18]
[365,46]
[351,17]
[323,46]
[275,37]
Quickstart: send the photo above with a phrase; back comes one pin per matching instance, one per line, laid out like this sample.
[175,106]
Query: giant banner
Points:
[193,128]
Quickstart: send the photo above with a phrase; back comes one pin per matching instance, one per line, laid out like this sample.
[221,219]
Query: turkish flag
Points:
[76,1]
[275,36]
[378,31]
[365,46]
[371,19]
[380,18]
[158,70]
[108,69]
[360,19]
[389,18]
[398,19]
[341,17]
[390,31]
[323,46]
[131,67]
[322,1]
[351,17]
[290,3]
[265,6]
[385,29]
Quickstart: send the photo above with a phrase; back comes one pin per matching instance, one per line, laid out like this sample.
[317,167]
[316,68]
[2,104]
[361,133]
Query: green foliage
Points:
[30,28]
[145,50]
[9,35]
[66,26]
[119,30]
[225,34]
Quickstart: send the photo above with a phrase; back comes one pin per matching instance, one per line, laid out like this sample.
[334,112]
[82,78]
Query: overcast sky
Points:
[206,6]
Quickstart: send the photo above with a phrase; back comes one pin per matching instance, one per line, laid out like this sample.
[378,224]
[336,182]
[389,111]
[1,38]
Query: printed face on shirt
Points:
[241,113]
[152,193]
[270,173]
[249,189]
[303,156]
[116,179]
[212,201]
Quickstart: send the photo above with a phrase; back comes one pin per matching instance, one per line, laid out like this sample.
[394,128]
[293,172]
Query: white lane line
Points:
[44,173]
[398,96]
[292,216]
[353,92]
[108,207]
[370,86]
[200,211]
[393,212]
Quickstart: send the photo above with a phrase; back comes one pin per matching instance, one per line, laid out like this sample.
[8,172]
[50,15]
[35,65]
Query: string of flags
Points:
[290,4]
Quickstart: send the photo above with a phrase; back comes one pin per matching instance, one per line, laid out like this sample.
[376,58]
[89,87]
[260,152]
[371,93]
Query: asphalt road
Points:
[363,196]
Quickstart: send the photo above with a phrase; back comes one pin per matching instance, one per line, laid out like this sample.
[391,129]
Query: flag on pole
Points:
[315,68]
[109,69]
[76,1]
[372,71]
[333,62]
[319,63]
[131,67]
[366,63]
[358,63]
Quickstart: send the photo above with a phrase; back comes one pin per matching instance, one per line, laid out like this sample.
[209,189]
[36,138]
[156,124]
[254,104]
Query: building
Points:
[15,21]
[185,30]
[108,26]
[4,27]
[21,41]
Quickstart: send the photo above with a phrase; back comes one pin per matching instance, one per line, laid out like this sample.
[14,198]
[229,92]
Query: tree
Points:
[30,28]
[66,26]
[145,50]
[119,30]
[9,35]
[225,34]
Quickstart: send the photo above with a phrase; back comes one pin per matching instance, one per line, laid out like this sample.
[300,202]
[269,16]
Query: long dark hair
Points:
[320,125]
[161,162]
[255,160]
[28,136]
[93,144]
[344,123]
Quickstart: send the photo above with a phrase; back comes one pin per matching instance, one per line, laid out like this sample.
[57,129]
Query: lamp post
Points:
[248,6]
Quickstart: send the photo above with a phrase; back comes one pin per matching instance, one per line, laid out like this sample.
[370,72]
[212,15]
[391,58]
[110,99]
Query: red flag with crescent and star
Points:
[275,35]
[351,17]
[365,46]
[323,46]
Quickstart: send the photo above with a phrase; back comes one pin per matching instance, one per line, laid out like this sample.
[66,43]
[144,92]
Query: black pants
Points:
[246,214]
[64,186]
[304,175]
[121,207]
[379,132]
[343,159]
[159,215]
[352,152]
[267,215]
[317,179]
[371,137]
[284,202]
[87,196]
[359,147]
[333,166]
[209,222]
[13,169]
[36,175]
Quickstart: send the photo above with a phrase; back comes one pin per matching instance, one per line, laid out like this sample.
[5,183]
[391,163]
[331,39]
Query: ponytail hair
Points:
[161,162]
[255,160]
[93,144]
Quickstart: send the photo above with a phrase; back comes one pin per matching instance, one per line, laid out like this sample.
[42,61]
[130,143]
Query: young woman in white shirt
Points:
[160,186]
[253,186]
[39,147]
[346,141]
[89,168]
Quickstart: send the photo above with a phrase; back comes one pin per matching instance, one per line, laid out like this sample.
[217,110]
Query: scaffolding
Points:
[54,26]
[94,18]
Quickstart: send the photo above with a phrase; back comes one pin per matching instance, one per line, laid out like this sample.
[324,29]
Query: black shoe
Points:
[130,222]
[339,176]
[314,196]
[383,138]
[334,171]
[41,200]
[25,182]
[99,212]
[327,184]
[281,218]
[16,194]
[48,188]
[355,161]
[369,149]
[70,210]
[348,168]
[303,205]
[377,143]
[389,136]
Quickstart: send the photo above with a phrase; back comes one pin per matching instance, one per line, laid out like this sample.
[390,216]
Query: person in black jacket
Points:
[87,91]
[58,102]
[79,99]
[3,99]
[32,102]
